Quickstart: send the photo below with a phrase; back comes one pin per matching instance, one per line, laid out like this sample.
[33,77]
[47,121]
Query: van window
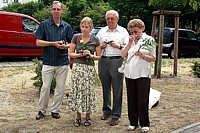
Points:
[183,34]
[29,25]
[167,36]
[191,36]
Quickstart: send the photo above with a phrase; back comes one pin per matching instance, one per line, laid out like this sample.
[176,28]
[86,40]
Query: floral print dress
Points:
[82,94]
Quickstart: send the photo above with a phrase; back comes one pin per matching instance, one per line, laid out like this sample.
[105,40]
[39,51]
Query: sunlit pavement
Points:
[16,64]
[193,128]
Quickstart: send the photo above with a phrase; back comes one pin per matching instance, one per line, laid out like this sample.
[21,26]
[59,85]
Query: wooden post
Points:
[176,45]
[159,62]
[152,32]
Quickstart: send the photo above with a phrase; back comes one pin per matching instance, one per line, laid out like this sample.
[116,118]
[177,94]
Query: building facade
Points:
[6,2]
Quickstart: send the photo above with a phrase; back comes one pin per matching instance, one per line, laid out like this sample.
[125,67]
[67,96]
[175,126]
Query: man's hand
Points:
[60,45]
[67,46]
[114,44]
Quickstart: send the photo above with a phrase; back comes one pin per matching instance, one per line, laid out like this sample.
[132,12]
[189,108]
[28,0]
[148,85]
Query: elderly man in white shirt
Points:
[112,39]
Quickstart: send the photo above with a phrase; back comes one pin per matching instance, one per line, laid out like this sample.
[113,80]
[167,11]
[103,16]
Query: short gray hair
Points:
[112,11]
[56,2]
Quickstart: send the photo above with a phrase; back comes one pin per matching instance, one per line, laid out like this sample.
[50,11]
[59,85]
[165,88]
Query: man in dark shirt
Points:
[51,34]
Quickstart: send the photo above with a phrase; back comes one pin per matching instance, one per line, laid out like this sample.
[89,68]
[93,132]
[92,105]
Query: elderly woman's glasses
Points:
[135,31]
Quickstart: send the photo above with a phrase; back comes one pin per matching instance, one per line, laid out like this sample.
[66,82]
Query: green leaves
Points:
[148,44]
[85,47]
[168,4]
[196,69]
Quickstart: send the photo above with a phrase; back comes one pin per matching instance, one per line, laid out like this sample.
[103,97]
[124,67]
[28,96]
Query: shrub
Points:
[196,69]
[38,78]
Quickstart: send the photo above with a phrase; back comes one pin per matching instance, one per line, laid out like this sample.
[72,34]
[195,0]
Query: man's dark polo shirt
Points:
[48,31]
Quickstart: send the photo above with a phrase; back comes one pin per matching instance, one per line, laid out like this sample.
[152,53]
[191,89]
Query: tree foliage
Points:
[26,8]
[75,10]
[168,4]
[96,11]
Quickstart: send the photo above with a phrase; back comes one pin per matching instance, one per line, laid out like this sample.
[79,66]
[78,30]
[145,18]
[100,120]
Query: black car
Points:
[188,43]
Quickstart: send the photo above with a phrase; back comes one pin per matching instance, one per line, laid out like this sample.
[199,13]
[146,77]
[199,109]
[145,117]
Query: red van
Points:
[17,35]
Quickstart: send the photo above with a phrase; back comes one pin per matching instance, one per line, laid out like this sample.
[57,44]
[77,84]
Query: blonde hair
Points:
[87,20]
[136,23]
[56,2]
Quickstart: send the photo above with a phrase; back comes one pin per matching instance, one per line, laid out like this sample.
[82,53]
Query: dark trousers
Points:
[110,77]
[138,101]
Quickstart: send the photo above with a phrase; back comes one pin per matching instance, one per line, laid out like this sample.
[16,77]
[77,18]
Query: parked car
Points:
[17,35]
[95,30]
[188,43]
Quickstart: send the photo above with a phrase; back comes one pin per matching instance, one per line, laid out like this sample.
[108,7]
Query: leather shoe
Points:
[39,116]
[114,121]
[55,115]
[104,117]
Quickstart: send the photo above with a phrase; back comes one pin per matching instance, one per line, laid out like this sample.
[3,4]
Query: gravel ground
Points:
[179,104]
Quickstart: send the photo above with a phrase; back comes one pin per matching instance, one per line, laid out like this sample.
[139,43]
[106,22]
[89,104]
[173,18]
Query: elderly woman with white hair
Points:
[140,51]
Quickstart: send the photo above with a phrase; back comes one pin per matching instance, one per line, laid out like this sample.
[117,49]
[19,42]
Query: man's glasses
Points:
[54,9]
[108,19]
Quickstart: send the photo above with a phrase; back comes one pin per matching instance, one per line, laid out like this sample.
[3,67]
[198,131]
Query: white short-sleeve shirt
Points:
[119,35]
[135,66]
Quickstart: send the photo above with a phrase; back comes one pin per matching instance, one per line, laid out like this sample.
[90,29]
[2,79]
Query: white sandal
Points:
[145,129]
[131,128]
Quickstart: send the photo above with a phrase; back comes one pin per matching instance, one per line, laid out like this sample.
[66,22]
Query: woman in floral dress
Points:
[84,48]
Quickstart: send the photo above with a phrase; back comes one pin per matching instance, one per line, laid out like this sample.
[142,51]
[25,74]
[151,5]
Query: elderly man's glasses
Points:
[54,9]
[108,19]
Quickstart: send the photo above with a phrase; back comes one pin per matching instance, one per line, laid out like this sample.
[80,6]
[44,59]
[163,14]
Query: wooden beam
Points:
[155,19]
[159,62]
[176,45]
[166,12]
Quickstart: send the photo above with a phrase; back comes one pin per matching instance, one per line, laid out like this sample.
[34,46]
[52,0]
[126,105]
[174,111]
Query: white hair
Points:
[112,11]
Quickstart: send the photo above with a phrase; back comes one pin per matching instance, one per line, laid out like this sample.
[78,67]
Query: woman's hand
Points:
[86,52]
[132,38]
[103,44]
[80,54]
[140,54]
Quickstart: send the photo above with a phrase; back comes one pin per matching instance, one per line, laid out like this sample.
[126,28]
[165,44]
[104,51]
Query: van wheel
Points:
[171,54]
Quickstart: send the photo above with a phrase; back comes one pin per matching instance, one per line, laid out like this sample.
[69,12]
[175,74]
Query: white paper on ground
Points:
[154,97]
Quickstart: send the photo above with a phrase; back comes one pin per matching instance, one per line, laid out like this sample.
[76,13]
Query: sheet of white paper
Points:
[154,97]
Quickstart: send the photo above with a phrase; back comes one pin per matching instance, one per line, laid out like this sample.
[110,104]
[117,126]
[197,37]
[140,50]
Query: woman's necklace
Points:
[86,38]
